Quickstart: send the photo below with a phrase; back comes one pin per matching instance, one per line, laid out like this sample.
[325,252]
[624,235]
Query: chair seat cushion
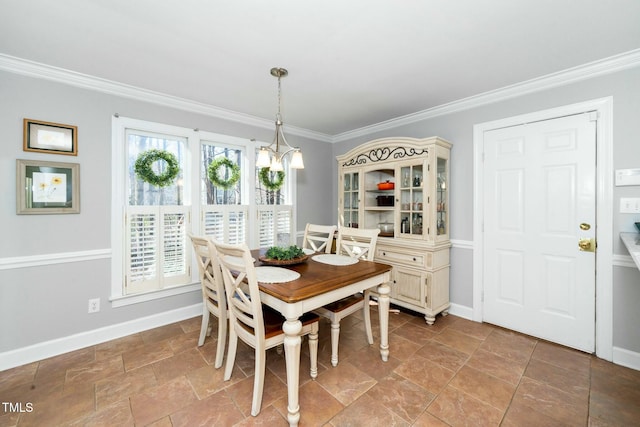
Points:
[344,303]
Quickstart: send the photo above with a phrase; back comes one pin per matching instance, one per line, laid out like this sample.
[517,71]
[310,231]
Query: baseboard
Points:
[40,351]
[461,311]
[628,358]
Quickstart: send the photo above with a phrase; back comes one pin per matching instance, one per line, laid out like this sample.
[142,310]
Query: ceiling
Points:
[351,63]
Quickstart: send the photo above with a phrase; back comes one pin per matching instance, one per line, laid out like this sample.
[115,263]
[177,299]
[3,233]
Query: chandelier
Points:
[273,155]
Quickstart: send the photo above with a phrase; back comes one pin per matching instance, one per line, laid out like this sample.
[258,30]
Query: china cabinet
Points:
[401,185]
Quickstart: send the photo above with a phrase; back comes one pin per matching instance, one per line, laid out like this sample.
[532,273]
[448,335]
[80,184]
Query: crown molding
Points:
[38,70]
[590,70]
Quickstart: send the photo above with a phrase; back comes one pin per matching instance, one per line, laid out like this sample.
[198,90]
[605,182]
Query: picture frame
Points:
[48,137]
[47,187]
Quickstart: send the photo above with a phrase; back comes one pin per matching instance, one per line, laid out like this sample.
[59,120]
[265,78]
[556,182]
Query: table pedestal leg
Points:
[383,308]
[292,329]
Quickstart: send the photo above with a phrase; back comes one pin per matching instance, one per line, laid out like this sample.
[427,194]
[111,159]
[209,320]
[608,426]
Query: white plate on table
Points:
[267,274]
[333,259]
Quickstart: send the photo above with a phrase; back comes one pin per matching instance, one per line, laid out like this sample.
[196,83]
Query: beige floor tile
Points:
[458,408]
[215,410]
[443,355]
[345,382]
[160,401]
[367,412]
[319,405]
[122,386]
[484,387]
[401,396]
[429,375]
[552,402]
[500,367]
[178,365]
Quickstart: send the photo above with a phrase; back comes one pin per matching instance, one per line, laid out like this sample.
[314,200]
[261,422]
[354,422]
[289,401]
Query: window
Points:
[157,220]
[150,244]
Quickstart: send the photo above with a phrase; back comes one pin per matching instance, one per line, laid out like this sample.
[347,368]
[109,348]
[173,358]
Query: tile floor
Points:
[455,373]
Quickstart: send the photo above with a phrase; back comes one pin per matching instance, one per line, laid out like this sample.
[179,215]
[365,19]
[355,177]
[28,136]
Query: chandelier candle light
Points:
[272,155]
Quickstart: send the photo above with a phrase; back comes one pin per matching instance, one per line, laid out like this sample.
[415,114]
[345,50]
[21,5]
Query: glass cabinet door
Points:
[351,199]
[442,199]
[411,199]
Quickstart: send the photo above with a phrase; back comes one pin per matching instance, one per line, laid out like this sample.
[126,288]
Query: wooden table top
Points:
[317,278]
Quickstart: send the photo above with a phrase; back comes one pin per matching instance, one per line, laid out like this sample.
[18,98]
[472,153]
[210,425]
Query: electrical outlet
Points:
[94,305]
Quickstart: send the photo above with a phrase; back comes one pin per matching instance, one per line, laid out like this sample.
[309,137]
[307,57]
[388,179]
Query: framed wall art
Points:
[52,138]
[47,187]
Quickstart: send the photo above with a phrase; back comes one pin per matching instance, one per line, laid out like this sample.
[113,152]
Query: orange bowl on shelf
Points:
[386,185]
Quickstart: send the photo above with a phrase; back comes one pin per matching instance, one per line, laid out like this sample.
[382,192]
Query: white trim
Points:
[462,244]
[11,263]
[124,300]
[590,70]
[604,194]
[628,358]
[61,75]
[623,61]
[624,261]
[40,351]
[461,311]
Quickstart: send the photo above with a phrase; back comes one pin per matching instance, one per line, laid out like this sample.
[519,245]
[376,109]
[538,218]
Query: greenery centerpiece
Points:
[279,255]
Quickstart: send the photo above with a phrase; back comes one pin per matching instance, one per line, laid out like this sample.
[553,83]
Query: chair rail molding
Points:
[11,263]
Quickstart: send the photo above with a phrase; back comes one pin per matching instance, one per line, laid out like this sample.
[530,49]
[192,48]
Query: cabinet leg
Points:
[444,313]
[429,319]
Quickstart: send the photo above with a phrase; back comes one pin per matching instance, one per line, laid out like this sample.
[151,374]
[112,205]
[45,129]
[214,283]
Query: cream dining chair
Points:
[357,243]
[318,238]
[213,296]
[258,326]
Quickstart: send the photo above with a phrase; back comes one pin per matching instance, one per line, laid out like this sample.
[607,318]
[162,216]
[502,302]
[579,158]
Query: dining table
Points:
[321,280]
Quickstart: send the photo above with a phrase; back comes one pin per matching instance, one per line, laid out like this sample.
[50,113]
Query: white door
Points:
[540,200]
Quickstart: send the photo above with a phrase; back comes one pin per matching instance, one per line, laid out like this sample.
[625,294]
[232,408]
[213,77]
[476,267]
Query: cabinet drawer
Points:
[417,260]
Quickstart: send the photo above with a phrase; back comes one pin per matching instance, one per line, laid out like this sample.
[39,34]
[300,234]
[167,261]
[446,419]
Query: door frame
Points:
[604,210]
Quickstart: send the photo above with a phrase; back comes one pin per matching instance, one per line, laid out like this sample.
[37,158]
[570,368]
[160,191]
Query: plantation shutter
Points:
[275,225]
[226,223]
[157,255]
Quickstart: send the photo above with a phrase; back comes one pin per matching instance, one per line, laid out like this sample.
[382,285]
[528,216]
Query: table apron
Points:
[297,309]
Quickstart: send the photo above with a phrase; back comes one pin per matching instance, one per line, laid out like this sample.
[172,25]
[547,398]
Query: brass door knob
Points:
[587,245]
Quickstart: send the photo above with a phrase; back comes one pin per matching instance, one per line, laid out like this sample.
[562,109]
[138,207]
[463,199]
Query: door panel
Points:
[539,187]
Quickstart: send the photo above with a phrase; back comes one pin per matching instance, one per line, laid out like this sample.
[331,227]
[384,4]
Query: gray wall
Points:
[457,127]
[43,303]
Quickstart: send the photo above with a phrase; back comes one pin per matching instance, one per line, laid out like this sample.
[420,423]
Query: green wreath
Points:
[214,177]
[146,173]
[265,179]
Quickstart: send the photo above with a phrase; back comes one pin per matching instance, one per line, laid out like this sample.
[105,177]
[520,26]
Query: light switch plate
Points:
[629,205]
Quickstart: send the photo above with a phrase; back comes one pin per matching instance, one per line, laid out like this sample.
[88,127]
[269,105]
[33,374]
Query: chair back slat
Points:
[318,237]
[357,242]
[241,287]
[212,286]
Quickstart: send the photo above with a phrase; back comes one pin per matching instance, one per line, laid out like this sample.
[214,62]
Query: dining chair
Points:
[318,238]
[213,296]
[357,243]
[256,324]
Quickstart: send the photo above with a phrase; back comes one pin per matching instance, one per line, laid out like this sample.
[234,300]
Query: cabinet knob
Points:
[414,258]
[384,253]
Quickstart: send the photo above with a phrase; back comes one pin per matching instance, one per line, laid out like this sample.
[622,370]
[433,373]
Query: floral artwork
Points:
[44,187]
[49,187]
